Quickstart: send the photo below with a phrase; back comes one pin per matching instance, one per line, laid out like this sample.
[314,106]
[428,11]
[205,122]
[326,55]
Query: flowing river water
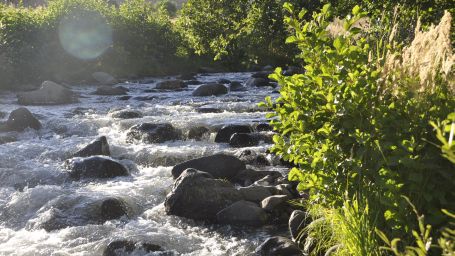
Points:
[33,178]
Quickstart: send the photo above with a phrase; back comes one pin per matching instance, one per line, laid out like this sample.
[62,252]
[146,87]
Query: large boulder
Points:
[96,147]
[109,90]
[127,247]
[49,93]
[257,82]
[153,133]
[210,89]
[272,202]
[278,246]
[112,208]
[126,114]
[104,78]
[219,166]
[171,85]
[256,193]
[75,210]
[239,140]
[198,195]
[95,167]
[225,133]
[20,119]
[242,213]
[197,132]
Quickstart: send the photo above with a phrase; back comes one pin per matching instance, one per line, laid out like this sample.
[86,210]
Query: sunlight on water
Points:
[85,35]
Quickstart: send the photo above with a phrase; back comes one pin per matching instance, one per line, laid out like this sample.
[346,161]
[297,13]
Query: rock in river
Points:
[219,166]
[210,89]
[171,85]
[126,247]
[95,167]
[20,119]
[198,195]
[278,246]
[96,147]
[153,133]
[225,133]
[243,213]
[49,93]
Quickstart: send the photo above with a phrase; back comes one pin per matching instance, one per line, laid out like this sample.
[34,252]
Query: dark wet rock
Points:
[126,97]
[264,127]
[196,133]
[113,208]
[122,247]
[292,70]
[208,110]
[109,90]
[275,91]
[240,140]
[75,210]
[104,78]
[96,147]
[262,74]
[171,85]
[95,167]
[212,89]
[219,166]
[253,158]
[126,114]
[224,81]
[2,114]
[249,176]
[272,202]
[242,213]
[237,87]
[193,82]
[225,133]
[297,222]
[256,193]
[198,195]
[187,76]
[21,119]
[153,133]
[49,93]
[257,82]
[7,139]
[278,246]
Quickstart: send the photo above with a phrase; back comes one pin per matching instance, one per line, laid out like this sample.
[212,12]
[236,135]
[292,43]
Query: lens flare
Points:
[85,35]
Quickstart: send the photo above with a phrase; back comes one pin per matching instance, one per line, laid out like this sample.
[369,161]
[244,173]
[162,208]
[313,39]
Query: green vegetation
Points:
[357,125]
[143,42]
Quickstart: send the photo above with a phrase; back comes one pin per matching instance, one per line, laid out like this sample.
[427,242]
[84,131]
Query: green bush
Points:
[238,32]
[143,42]
[351,135]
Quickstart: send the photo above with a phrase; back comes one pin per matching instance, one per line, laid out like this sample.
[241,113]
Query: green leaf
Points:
[356,10]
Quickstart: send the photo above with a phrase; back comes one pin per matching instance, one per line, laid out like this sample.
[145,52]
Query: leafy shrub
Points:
[238,32]
[143,42]
[352,135]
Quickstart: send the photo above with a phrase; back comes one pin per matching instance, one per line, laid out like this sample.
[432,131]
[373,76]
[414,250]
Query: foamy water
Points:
[34,181]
